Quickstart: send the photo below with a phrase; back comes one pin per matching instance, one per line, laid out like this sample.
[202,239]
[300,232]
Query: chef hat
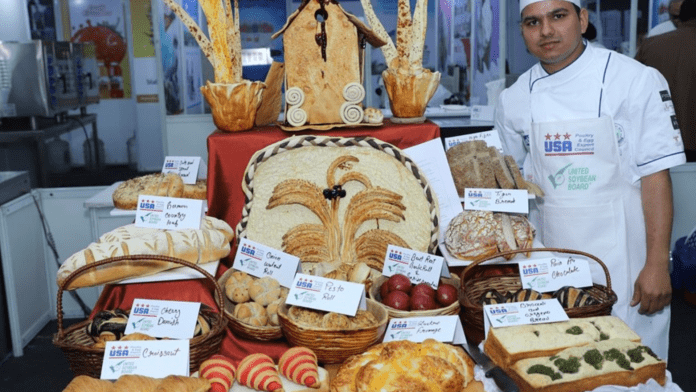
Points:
[524,3]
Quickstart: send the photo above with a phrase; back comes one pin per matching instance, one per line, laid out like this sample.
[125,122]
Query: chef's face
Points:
[552,31]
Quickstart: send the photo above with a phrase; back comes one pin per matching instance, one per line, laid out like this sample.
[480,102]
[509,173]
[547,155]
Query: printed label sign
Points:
[327,294]
[550,274]
[446,329]
[152,358]
[518,313]
[259,260]
[418,266]
[491,138]
[186,167]
[500,200]
[169,213]
[163,319]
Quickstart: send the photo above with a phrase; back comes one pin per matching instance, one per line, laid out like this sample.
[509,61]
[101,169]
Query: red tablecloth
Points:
[228,156]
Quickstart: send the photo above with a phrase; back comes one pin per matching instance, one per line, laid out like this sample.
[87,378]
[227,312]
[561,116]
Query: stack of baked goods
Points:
[406,366]
[474,235]
[575,355]
[197,246]
[476,165]
[252,304]
[133,383]
[126,195]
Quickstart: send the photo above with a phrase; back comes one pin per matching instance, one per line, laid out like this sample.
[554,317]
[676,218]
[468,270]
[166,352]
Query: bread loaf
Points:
[211,242]
[508,345]
[126,194]
[237,286]
[611,362]
[198,191]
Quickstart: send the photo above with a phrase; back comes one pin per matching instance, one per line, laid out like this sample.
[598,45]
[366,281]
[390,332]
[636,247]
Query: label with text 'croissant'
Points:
[329,295]
[151,358]
[260,260]
[552,273]
[163,319]
[499,200]
[169,213]
[186,167]
[445,329]
[419,267]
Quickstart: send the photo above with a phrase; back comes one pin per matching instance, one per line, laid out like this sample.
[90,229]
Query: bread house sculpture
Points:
[324,66]
[233,101]
[409,86]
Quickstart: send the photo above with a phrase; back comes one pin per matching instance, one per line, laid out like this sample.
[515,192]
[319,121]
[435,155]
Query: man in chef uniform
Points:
[597,131]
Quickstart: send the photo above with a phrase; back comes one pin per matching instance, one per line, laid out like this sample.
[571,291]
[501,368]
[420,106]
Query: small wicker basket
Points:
[247,331]
[84,359]
[331,345]
[374,293]
[473,288]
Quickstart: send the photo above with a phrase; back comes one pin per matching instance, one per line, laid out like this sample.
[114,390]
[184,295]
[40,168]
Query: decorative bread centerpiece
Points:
[409,86]
[333,201]
[324,67]
[233,101]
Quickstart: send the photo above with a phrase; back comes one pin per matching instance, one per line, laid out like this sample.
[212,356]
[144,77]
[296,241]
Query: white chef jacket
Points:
[601,83]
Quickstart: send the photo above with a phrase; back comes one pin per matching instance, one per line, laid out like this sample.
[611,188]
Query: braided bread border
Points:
[295,142]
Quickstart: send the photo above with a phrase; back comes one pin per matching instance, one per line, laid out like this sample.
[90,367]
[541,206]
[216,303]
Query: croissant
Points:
[220,371]
[259,372]
[134,383]
[299,365]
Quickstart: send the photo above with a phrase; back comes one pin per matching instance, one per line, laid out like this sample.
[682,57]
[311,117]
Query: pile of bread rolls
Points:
[256,300]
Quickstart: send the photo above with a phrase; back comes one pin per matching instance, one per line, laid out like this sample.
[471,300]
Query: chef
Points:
[597,131]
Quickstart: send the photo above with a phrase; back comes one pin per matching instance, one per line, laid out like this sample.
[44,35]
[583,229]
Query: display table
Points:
[228,156]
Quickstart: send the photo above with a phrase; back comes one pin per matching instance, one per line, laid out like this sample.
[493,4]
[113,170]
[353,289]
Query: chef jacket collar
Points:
[571,70]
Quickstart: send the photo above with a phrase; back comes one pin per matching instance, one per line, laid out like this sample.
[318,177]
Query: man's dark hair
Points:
[688,10]
[577,9]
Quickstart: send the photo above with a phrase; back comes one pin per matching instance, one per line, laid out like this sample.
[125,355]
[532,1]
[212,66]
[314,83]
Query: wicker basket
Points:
[473,289]
[84,359]
[330,345]
[450,310]
[265,333]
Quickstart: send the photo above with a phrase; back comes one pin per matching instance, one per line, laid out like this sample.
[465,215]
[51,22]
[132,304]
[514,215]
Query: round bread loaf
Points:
[251,313]
[333,320]
[264,290]
[237,287]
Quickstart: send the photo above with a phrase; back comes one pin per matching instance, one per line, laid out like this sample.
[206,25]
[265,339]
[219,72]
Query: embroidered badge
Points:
[664,94]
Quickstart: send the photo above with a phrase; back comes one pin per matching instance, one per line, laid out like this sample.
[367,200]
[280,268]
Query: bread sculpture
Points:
[198,246]
[133,383]
[476,165]
[259,372]
[337,201]
[475,235]
[403,365]
[233,101]
[220,371]
[299,365]
[324,58]
[409,86]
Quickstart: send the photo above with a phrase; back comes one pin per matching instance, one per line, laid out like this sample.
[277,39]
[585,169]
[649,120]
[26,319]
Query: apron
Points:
[590,206]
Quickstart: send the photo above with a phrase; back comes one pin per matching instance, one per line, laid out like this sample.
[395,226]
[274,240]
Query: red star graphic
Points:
[557,137]
[566,136]
[548,137]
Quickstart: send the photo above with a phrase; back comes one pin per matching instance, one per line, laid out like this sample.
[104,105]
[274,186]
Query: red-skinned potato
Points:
[399,282]
[397,300]
[422,302]
[446,294]
[423,288]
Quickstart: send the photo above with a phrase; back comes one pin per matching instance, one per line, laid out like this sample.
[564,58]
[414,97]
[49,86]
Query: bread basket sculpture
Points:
[233,101]
[409,86]
[332,201]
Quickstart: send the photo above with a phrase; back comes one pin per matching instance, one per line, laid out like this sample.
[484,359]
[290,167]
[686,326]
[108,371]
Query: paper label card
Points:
[260,260]
[418,266]
[152,358]
[499,200]
[552,273]
[169,213]
[518,313]
[163,319]
[186,167]
[325,294]
[492,139]
[446,329]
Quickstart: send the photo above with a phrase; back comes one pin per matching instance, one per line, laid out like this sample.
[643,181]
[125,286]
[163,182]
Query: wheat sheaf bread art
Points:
[338,200]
